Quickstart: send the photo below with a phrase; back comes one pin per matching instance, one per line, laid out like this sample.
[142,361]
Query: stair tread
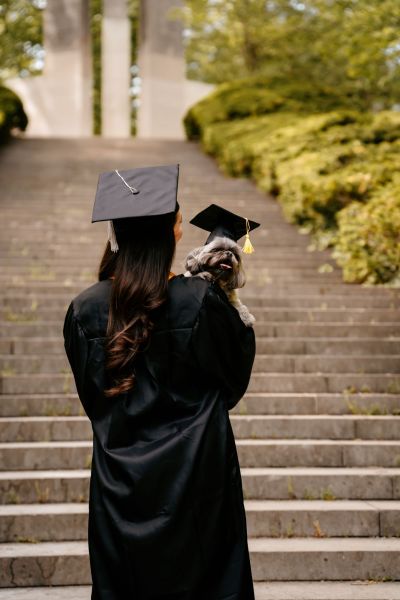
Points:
[239,442]
[282,590]
[62,508]
[298,311]
[233,416]
[55,473]
[262,544]
[332,544]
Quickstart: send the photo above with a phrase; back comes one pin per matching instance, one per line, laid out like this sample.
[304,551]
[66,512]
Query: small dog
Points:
[220,260]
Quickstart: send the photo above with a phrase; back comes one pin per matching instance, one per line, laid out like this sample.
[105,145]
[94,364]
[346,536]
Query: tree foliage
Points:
[12,114]
[351,46]
[21,51]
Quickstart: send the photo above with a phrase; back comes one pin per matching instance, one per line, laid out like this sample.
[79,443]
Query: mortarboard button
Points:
[123,195]
[224,223]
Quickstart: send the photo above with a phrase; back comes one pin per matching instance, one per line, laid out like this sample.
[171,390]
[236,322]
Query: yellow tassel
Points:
[248,246]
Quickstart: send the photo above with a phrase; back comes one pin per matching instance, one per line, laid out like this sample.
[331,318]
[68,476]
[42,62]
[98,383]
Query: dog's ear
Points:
[238,276]
[192,263]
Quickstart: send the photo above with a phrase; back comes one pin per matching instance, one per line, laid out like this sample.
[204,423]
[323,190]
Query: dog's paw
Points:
[246,316]
[205,275]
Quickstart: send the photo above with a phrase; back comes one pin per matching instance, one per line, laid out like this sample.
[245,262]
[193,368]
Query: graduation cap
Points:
[224,223]
[122,196]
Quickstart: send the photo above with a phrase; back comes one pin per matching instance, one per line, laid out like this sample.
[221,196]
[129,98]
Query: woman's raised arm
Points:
[224,347]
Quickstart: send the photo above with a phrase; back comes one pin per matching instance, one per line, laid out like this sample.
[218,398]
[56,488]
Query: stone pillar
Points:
[67,69]
[59,102]
[162,71]
[115,61]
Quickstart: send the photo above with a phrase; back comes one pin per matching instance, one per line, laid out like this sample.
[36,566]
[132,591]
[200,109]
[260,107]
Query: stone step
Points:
[281,256]
[343,315]
[69,428]
[314,427]
[11,383]
[313,559]
[263,363]
[339,382]
[46,429]
[324,558]
[262,328]
[26,486]
[332,363]
[265,518]
[256,278]
[307,403]
[264,403]
[46,364]
[36,232]
[21,266]
[252,453]
[251,289]
[308,590]
[282,590]
[321,452]
[320,483]
[45,563]
[318,346]
[320,342]
[33,300]
[40,405]
[39,270]
[43,522]
[322,518]
[332,315]
[274,483]
[265,345]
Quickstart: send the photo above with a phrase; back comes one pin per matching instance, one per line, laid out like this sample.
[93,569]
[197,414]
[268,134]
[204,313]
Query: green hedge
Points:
[12,114]
[325,169]
[367,244]
[254,96]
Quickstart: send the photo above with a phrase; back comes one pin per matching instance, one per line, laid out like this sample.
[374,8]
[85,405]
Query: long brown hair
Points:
[140,269]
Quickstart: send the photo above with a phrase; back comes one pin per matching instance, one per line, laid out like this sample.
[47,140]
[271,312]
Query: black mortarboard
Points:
[224,223]
[123,195]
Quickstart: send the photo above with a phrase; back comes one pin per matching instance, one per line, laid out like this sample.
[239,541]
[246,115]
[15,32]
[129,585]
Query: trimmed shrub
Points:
[230,101]
[237,144]
[12,114]
[252,96]
[327,169]
[367,243]
[315,186]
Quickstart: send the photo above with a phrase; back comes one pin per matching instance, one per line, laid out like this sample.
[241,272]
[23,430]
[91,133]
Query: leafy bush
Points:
[12,114]
[230,101]
[367,243]
[324,168]
[237,144]
[258,96]
[314,186]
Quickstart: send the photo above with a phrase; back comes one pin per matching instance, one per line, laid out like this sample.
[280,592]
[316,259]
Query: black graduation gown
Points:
[166,512]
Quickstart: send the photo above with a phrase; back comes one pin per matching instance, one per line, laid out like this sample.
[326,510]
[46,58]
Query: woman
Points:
[158,360]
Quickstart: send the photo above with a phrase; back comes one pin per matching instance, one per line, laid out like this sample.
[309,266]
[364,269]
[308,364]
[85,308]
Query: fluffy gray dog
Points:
[220,260]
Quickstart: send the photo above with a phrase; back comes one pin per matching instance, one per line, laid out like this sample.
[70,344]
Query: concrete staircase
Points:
[318,431]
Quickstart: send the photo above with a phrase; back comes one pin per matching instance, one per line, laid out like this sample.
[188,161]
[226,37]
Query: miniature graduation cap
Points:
[124,195]
[224,223]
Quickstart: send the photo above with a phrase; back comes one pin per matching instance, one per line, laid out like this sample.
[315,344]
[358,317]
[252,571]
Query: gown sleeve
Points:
[76,348]
[223,345]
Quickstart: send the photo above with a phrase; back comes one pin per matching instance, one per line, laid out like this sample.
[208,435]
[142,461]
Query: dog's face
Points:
[222,258]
